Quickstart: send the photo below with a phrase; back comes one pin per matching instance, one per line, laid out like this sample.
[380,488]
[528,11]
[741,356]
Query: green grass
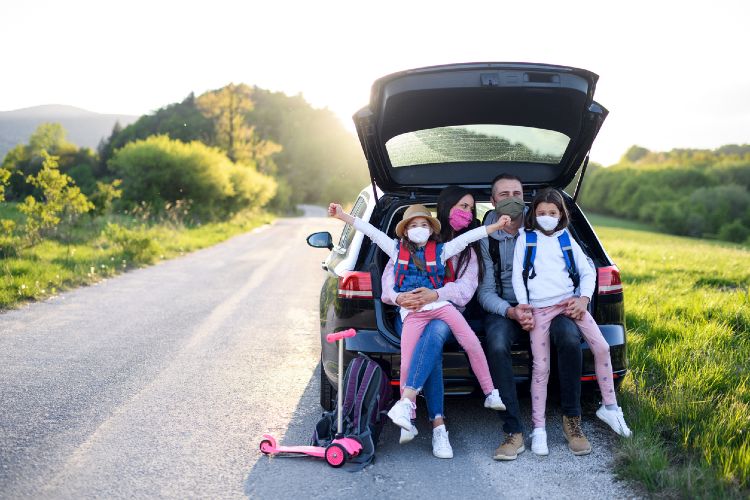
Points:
[45,269]
[687,397]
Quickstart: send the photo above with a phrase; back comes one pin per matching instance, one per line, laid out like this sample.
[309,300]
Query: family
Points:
[517,263]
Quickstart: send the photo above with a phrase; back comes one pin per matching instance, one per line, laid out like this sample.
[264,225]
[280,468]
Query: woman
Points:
[457,214]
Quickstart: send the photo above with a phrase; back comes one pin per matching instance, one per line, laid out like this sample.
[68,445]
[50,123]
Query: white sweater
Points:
[552,283]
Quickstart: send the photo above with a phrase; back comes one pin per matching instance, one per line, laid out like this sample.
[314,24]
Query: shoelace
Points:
[441,441]
[574,427]
[508,439]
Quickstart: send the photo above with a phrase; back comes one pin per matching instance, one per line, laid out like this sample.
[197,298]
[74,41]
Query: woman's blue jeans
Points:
[426,367]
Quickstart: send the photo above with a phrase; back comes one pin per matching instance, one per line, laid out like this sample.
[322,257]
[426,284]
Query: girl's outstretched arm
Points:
[387,244]
[457,244]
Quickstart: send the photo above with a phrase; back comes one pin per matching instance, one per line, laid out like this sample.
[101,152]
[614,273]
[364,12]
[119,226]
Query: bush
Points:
[735,231]
[160,172]
[60,200]
[137,246]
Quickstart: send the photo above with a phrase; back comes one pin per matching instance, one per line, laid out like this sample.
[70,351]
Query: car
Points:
[427,128]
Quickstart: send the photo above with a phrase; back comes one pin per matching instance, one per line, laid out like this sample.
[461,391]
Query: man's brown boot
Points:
[577,442]
[510,448]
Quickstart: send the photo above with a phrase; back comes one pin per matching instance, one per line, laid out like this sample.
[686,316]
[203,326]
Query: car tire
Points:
[327,391]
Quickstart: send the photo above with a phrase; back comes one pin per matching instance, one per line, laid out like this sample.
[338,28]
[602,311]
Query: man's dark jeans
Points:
[501,333]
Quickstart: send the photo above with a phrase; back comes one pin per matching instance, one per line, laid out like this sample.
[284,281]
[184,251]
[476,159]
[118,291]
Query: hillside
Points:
[85,128]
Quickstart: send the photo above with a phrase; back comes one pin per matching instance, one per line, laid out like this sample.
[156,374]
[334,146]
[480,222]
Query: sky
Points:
[672,74]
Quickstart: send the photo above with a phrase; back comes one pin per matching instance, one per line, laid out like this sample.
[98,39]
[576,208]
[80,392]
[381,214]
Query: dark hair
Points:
[548,195]
[503,177]
[446,200]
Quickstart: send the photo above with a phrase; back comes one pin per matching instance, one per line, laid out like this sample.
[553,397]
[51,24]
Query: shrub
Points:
[60,199]
[734,231]
[158,171]
[137,245]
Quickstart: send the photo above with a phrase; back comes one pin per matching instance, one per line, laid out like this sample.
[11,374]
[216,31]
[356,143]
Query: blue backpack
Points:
[530,254]
[367,396]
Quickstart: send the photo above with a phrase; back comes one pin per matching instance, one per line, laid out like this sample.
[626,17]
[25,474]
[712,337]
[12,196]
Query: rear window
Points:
[477,143]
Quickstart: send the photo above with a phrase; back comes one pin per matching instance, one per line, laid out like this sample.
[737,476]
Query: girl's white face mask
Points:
[418,235]
[547,222]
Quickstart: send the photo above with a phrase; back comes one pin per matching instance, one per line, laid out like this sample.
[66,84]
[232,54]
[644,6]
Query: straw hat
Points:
[417,211]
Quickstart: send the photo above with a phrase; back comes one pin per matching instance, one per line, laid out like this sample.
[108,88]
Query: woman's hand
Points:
[576,307]
[417,298]
[335,210]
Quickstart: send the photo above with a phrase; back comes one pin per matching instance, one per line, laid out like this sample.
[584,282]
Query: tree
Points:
[60,198]
[4,176]
[635,153]
[228,108]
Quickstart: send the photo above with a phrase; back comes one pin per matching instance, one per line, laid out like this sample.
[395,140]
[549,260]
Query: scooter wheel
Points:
[335,455]
[266,447]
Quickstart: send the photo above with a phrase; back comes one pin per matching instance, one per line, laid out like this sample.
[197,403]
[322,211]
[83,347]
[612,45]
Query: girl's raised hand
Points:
[335,210]
[500,223]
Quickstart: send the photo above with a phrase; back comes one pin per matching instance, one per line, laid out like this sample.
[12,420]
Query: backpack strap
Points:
[494,247]
[570,263]
[352,376]
[361,393]
[528,260]
[430,261]
[402,264]
[450,273]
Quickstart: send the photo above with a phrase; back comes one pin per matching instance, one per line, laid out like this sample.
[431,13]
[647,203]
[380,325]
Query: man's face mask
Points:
[512,207]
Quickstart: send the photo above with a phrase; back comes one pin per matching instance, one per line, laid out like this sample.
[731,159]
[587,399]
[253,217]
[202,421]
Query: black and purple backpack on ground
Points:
[367,396]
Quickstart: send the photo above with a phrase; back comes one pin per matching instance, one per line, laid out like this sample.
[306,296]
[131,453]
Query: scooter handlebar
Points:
[333,337]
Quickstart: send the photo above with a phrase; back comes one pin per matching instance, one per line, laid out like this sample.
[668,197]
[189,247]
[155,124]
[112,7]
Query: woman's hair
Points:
[446,200]
[548,195]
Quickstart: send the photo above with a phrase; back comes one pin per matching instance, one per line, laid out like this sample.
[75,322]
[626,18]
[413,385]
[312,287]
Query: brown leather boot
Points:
[510,448]
[577,442]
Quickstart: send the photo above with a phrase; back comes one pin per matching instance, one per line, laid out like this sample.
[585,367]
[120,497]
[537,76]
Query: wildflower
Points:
[92,269]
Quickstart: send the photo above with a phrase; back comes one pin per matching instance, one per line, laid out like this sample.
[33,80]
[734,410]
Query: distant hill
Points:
[85,128]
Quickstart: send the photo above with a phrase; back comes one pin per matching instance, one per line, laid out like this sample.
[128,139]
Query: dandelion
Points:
[23,286]
[103,266]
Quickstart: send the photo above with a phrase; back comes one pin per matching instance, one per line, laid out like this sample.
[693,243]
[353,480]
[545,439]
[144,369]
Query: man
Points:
[506,321]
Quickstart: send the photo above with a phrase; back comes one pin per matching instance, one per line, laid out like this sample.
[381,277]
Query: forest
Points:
[690,192]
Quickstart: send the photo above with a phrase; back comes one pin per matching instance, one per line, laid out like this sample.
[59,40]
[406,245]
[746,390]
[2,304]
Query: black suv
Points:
[462,124]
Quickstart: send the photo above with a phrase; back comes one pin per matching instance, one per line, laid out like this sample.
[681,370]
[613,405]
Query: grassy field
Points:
[687,397]
[104,247]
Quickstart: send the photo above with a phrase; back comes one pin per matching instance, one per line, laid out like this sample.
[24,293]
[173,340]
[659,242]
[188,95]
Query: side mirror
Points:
[322,239]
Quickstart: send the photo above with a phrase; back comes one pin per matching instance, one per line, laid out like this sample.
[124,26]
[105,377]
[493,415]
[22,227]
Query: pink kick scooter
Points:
[341,448]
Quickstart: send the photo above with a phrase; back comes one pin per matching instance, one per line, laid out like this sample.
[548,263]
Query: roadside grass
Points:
[103,247]
[687,396]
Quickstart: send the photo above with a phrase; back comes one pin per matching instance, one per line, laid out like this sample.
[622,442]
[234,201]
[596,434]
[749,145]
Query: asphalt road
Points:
[160,382]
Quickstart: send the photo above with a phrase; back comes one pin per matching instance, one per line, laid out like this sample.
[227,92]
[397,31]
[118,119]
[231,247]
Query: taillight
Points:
[609,280]
[355,285]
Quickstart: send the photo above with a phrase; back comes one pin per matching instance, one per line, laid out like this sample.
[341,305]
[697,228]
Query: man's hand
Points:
[522,314]
[576,307]
[417,298]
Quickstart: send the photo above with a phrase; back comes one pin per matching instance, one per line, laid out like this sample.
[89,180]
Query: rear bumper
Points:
[457,374]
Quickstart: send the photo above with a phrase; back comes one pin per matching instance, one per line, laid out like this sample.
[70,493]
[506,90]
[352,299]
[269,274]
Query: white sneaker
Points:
[408,435]
[441,447]
[539,442]
[400,413]
[615,419]
[493,401]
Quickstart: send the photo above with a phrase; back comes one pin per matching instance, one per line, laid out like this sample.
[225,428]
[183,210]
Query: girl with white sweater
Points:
[549,288]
